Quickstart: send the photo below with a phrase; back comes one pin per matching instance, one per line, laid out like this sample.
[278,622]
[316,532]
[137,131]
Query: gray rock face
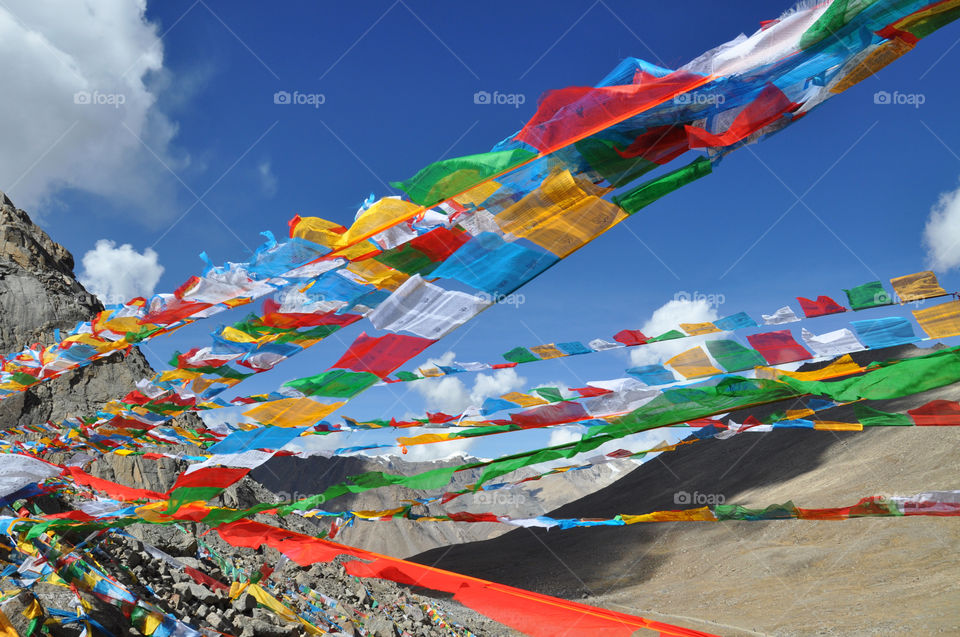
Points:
[38,290]
[38,294]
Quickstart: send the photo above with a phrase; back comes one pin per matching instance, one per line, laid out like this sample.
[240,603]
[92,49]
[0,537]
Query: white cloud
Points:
[268,181]
[447,394]
[563,435]
[444,359]
[116,275]
[79,111]
[942,232]
[500,382]
[668,317]
[451,395]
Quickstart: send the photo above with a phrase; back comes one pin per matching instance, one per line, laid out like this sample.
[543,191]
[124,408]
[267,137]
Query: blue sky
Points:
[836,200]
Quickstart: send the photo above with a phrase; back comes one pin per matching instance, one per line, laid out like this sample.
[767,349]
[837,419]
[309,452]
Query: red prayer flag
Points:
[440,243]
[936,413]
[383,354]
[217,477]
[769,105]
[630,337]
[569,114]
[821,307]
[660,144]
[778,347]
[546,415]
[590,392]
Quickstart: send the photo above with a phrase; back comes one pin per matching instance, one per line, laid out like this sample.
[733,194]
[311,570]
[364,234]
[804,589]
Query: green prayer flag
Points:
[734,357]
[407,259]
[335,383]
[893,380]
[667,336]
[870,417]
[784,511]
[868,295]
[448,177]
[649,191]
[602,156]
[520,355]
[549,394]
[837,15]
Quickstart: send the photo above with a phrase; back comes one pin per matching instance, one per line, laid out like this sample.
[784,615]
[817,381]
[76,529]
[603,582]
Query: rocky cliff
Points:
[39,294]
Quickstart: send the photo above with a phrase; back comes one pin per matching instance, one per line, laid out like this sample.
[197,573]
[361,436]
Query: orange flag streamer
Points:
[529,612]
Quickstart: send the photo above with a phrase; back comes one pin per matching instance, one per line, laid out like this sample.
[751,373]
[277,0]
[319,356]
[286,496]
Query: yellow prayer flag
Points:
[377,274]
[917,286]
[317,230]
[843,366]
[478,194]
[884,53]
[696,329]
[563,214]
[702,514]
[828,425]
[291,412]
[524,400]
[423,439]
[940,321]
[693,363]
[376,218]
[547,351]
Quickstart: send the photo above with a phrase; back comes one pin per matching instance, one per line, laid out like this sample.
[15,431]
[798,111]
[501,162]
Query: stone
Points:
[245,603]
[216,622]
[379,627]
[191,591]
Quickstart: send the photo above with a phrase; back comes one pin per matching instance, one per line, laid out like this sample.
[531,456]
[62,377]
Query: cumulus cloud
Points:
[941,236]
[668,317]
[500,382]
[451,395]
[563,435]
[80,107]
[116,275]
